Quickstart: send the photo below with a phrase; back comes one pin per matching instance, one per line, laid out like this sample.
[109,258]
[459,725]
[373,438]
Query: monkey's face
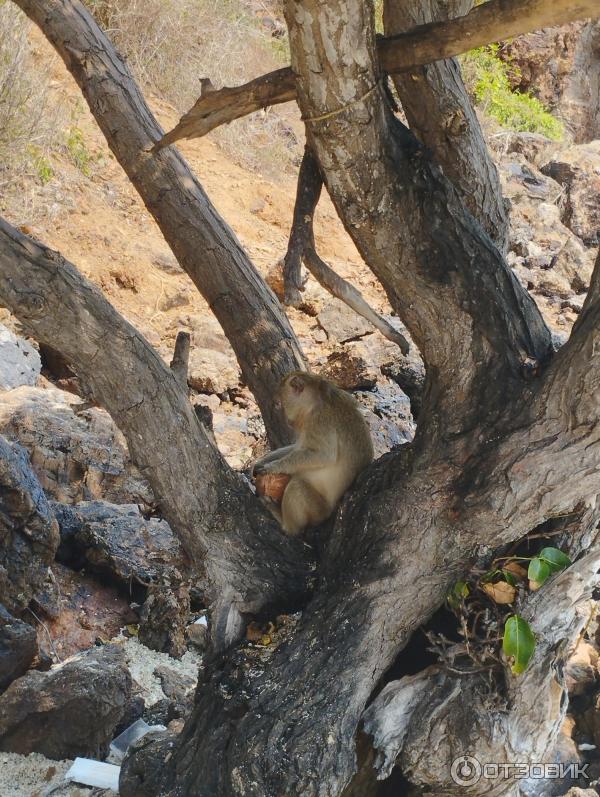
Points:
[297,396]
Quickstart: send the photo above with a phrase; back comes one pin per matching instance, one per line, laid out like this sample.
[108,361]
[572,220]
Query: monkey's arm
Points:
[272,456]
[302,459]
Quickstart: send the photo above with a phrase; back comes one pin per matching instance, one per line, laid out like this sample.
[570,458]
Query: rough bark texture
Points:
[439,112]
[405,52]
[206,248]
[228,537]
[431,719]
[507,438]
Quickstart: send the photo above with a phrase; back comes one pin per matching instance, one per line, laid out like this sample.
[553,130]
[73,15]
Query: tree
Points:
[507,440]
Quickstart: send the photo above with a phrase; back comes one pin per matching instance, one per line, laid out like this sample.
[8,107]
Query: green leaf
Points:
[538,571]
[555,559]
[458,592]
[509,578]
[518,643]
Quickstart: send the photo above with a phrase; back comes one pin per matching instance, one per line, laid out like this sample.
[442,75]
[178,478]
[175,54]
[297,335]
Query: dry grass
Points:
[29,127]
[171,44]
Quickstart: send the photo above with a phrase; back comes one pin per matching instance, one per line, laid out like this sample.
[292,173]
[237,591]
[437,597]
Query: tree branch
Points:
[487,23]
[251,317]
[243,560]
[302,247]
[439,112]
[181,359]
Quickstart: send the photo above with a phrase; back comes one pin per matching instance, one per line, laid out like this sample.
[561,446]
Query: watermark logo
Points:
[467,770]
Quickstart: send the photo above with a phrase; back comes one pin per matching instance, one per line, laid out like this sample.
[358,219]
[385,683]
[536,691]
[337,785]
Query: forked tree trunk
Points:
[507,438]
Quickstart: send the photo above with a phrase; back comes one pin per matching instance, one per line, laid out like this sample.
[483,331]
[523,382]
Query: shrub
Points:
[489,80]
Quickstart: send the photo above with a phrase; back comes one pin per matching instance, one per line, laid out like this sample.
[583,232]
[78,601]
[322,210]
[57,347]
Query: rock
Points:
[387,411]
[341,323]
[198,635]
[77,457]
[88,611]
[348,369]
[274,279]
[574,263]
[118,540]
[577,169]
[70,711]
[532,146]
[574,303]
[175,685]
[28,531]
[166,261]
[581,671]
[544,253]
[20,362]
[561,66]
[521,179]
[18,647]
[165,614]
[212,371]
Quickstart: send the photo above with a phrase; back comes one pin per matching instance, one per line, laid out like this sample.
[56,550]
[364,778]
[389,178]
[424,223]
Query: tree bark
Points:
[251,317]
[439,112]
[237,551]
[503,444]
[489,22]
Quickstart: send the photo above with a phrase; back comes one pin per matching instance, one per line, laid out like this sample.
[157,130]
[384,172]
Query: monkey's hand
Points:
[261,468]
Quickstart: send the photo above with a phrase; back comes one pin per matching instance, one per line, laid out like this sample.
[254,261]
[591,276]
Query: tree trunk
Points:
[507,438]
[237,552]
[206,248]
[440,114]
[498,421]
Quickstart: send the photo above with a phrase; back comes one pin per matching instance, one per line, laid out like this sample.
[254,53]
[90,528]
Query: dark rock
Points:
[72,710]
[28,531]
[134,710]
[116,539]
[143,771]
[349,370]
[165,615]
[387,411]
[18,647]
[532,146]
[165,711]
[199,636]
[176,686]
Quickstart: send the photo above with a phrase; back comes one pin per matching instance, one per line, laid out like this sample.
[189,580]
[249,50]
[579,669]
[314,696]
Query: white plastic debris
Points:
[201,621]
[94,773]
[120,745]
[585,746]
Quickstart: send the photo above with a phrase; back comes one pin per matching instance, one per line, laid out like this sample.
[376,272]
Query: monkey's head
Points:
[299,393]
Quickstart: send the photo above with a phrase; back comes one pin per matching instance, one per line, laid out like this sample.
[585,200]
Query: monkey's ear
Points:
[297,384]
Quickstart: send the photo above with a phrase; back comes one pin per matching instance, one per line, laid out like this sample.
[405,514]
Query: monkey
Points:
[333,444]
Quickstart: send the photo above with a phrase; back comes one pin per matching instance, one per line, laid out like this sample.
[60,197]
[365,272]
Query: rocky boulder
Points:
[71,710]
[20,362]
[116,539]
[577,170]
[77,456]
[28,531]
[18,647]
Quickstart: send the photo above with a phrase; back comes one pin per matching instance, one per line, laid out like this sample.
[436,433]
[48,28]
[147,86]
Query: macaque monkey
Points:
[333,444]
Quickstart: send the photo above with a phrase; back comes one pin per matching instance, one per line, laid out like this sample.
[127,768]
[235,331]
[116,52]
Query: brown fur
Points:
[333,445]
